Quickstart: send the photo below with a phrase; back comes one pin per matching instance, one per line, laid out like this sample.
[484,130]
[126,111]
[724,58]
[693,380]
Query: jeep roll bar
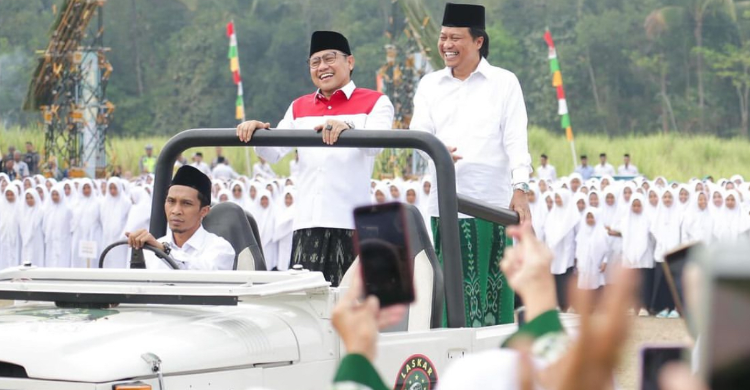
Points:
[446,179]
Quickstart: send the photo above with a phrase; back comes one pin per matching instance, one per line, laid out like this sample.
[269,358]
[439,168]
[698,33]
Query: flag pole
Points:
[234,66]
[562,103]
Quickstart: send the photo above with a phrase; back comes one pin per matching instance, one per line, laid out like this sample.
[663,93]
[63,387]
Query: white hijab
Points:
[10,220]
[538,210]
[285,216]
[733,222]
[32,217]
[591,248]
[608,213]
[666,225]
[697,224]
[114,212]
[561,219]
[265,218]
[635,232]
[140,213]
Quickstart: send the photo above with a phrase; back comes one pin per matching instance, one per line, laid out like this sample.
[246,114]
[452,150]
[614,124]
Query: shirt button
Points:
[329,107]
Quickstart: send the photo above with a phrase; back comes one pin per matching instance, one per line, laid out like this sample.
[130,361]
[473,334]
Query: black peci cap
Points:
[190,176]
[328,40]
[463,15]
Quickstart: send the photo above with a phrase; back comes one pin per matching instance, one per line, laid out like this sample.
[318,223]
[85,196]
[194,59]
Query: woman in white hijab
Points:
[697,225]
[638,247]
[396,190]
[731,221]
[224,196]
[591,250]
[10,228]
[652,205]
[284,229]
[43,193]
[593,199]
[57,230]
[538,208]
[32,232]
[559,235]
[665,225]
[608,217]
[381,194]
[266,225]
[140,213]
[683,194]
[666,231]
[114,212]
[580,200]
[86,224]
[238,194]
[253,189]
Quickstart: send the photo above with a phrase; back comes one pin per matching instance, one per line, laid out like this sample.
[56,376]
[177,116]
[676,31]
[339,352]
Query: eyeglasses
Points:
[328,58]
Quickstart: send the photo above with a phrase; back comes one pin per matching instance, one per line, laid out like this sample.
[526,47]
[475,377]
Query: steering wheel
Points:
[158,252]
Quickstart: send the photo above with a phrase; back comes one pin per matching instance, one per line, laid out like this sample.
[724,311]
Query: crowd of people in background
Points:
[594,221]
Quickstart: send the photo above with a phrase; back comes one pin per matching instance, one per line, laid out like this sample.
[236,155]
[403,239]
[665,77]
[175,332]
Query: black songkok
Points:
[191,177]
[328,40]
[463,15]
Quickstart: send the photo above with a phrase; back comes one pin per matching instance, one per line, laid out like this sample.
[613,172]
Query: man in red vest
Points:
[332,181]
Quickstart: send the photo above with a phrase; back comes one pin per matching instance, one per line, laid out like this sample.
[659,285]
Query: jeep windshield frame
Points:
[448,202]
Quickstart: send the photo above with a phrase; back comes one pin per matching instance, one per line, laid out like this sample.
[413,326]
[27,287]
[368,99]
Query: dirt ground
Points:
[647,330]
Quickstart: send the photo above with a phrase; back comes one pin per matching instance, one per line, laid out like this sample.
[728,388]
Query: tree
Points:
[697,11]
[733,64]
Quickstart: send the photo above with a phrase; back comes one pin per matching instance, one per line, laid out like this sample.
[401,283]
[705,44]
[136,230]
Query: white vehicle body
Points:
[266,330]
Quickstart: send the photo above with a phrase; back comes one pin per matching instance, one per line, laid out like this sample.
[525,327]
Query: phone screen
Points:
[653,360]
[382,244]
[729,344]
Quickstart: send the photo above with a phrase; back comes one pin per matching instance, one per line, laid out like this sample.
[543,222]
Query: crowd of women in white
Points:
[589,225]
[595,224]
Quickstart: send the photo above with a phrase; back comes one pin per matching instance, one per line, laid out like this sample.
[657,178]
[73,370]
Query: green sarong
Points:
[488,299]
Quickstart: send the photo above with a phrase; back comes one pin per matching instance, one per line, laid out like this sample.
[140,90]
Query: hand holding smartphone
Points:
[382,243]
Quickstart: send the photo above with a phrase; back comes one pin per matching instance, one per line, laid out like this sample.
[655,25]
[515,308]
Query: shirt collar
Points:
[483,68]
[347,89]
[195,241]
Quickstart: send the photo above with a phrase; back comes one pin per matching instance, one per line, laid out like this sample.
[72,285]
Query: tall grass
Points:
[677,157]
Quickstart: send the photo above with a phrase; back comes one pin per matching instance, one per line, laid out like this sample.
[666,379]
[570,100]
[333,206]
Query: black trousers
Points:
[647,288]
[328,250]
[661,298]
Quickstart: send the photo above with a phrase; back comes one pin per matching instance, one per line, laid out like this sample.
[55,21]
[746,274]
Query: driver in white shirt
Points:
[187,242]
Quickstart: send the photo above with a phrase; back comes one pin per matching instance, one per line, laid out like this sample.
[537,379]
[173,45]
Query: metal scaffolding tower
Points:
[69,88]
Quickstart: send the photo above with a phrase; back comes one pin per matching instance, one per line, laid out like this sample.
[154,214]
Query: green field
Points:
[674,156]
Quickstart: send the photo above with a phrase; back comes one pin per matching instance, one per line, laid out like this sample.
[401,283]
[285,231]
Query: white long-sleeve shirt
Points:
[603,170]
[546,173]
[203,251]
[333,181]
[484,117]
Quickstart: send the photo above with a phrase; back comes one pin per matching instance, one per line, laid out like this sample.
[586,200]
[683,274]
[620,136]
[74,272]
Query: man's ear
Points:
[350,60]
[205,210]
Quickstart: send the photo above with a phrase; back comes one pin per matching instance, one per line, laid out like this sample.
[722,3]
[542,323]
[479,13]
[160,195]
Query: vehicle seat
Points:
[426,311]
[232,223]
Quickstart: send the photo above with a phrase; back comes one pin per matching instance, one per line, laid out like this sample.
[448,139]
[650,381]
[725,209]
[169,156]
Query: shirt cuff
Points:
[520,175]
[547,322]
[357,369]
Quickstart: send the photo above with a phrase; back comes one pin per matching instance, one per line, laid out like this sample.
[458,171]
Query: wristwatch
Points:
[167,247]
[350,124]
[521,187]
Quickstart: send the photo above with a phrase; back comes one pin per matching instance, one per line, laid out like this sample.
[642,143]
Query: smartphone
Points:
[382,242]
[724,340]
[653,359]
